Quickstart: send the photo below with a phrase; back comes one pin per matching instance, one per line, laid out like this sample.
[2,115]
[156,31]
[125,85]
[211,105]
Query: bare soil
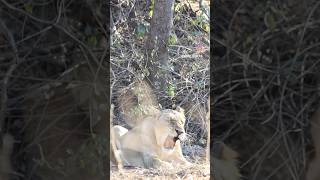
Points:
[197,171]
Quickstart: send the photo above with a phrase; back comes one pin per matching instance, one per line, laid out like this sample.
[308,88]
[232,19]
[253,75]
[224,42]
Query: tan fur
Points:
[313,172]
[152,130]
[143,145]
[114,155]
[224,159]
[224,162]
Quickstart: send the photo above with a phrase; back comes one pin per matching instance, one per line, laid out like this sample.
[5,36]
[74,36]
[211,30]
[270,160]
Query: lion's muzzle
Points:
[181,135]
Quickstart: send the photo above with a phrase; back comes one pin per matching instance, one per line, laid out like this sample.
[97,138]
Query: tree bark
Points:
[157,59]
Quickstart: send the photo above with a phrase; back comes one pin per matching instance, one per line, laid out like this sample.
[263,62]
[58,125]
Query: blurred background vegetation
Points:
[52,57]
[266,68]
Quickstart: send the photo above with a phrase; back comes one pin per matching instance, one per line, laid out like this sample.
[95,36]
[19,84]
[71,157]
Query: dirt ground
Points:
[197,171]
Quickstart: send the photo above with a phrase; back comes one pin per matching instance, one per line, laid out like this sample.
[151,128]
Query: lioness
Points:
[154,141]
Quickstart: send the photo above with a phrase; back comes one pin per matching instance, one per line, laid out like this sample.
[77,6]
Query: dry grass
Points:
[197,171]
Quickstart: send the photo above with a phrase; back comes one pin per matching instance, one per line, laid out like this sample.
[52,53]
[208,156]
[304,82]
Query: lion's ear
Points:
[180,109]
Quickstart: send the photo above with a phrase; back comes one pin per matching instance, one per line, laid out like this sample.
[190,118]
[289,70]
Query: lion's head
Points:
[170,128]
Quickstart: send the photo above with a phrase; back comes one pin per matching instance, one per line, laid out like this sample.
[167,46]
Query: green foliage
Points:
[270,21]
[151,9]
[201,21]
[28,7]
[92,40]
[178,7]
[141,30]
[172,39]
[171,90]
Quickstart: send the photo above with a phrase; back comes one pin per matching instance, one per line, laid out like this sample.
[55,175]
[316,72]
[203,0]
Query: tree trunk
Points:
[157,59]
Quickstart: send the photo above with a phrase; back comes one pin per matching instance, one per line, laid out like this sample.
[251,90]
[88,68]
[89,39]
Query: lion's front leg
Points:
[145,160]
[157,163]
[177,155]
[152,161]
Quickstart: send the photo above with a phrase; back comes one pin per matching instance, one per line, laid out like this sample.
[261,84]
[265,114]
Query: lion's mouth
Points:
[170,142]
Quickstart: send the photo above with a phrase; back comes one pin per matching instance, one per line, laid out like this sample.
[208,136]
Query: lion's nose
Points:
[179,131]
